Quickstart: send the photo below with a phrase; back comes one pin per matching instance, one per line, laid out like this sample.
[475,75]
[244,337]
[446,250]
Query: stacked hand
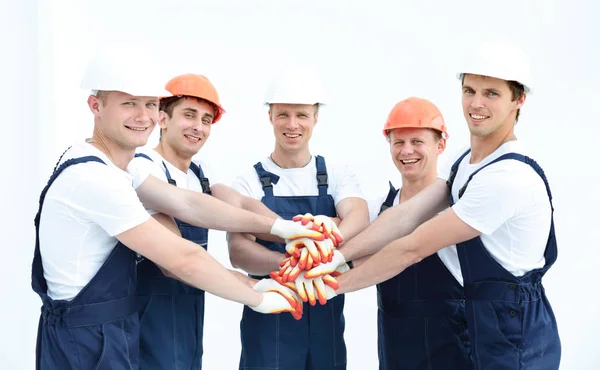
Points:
[312,265]
[323,224]
[277,298]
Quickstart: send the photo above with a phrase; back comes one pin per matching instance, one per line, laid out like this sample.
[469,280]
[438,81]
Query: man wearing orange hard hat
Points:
[419,310]
[185,121]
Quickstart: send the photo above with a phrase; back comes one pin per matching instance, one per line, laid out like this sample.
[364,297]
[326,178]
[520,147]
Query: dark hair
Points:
[516,88]
[168,104]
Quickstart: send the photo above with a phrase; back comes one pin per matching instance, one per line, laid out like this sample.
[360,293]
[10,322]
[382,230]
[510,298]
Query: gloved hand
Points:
[310,290]
[327,268]
[302,249]
[321,223]
[289,230]
[274,302]
[270,285]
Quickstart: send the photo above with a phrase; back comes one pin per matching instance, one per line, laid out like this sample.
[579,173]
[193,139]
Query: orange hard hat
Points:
[415,113]
[198,86]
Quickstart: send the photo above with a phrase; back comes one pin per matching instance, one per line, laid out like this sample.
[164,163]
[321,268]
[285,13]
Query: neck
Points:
[173,157]
[481,147]
[290,160]
[118,155]
[410,187]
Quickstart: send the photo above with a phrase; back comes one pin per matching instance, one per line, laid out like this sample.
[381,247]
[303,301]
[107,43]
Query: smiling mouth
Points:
[292,136]
[192,138]
[136,128]
[478,117]
[409,161]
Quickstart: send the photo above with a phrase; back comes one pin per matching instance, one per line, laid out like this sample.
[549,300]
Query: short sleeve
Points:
[140,168]
[242,185]
[105,197]
[493,196]
[347,185]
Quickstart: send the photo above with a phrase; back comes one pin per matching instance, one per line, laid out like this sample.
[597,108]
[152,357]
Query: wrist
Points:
[255,300]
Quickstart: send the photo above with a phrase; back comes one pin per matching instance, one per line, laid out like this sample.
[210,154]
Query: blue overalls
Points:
[279,342]
[511,324]
[98,329]
[171,312]
[421,317]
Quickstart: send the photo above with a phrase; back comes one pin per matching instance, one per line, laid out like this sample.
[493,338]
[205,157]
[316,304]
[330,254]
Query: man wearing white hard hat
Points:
[91,223]
[291,181]
[499,225]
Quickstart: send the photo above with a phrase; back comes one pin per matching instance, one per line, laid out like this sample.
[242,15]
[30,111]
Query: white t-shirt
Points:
[140,168]
[508,203]
[88,204]
[301,181]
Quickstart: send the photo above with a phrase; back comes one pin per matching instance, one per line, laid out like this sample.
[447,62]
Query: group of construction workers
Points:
[121,259]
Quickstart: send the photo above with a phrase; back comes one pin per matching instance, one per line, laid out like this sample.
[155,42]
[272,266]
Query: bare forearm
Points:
[353,223]
[244,279]
[248,255]
[397,222]
[383,265]
[219,215]
[187,261]
[207,274]
[260,208]
[200,209]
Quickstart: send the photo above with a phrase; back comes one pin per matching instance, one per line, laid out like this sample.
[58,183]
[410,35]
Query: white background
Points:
[370,57]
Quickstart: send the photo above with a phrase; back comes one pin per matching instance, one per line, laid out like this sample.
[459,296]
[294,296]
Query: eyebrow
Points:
[194,110]
[491,89]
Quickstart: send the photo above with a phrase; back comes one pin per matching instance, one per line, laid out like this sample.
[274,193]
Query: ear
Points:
[94,105]
[441,146]
[521,100]
[162,119]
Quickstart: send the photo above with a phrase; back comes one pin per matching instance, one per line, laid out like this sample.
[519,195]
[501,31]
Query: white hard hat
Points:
[127,69]
[500,59]
[295,85]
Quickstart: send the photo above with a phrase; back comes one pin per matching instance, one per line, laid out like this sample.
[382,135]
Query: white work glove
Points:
[310,290]
[328,268]
[289,230]
[321,223]
[274,302]
[308,253]
[270,285]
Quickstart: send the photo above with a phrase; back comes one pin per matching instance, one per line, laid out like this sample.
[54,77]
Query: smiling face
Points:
[293,125]
[125,120]
[488,105]
[187,127]
[415,151]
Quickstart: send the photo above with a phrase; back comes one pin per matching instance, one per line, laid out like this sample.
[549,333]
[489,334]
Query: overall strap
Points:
[389,201]
[453,171]
[142,155]
[520,158]
[267,179]
[168,174]
[322,178]
[204,182]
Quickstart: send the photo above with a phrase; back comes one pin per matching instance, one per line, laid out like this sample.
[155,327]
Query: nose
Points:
[142,115]
[477,101]
[407,149]
[292,123]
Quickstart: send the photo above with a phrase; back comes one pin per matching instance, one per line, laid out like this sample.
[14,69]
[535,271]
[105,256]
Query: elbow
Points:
[234,252]
[190,266]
